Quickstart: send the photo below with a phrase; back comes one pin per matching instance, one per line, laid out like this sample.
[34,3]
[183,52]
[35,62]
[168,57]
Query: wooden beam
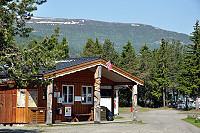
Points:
[97,95]
[134,103]
[49,103]
[112,99]
[124,83]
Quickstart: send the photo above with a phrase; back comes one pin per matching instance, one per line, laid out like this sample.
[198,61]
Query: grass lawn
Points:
[140,109]
[192,121]
[190,112]
[118,117]
[127,110]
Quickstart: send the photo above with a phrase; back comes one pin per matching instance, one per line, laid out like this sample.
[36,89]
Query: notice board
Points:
[68,110]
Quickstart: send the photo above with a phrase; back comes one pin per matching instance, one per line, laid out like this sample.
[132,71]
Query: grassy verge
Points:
[164,108]
[192,121]
[118,117]
[139,122]
[127,110]
[190,112]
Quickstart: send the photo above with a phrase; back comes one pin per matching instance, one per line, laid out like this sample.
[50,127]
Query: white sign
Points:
[58,94]
[68,110]
[59,100]
[55,94]
[77,98]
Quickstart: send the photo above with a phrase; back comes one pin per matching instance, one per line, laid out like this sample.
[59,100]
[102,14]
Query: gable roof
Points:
[72,65]
[70,62]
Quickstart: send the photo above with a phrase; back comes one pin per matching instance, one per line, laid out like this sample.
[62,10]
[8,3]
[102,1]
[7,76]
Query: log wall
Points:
[78,79]
[9,112]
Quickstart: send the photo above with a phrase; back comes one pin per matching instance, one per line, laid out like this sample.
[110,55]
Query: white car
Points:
[194,104]
[182,103]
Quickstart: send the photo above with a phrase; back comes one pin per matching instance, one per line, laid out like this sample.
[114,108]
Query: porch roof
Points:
[72,65]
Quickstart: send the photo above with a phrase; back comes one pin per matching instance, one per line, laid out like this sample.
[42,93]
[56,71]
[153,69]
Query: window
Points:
[68,94]
[87,94]
[106,93]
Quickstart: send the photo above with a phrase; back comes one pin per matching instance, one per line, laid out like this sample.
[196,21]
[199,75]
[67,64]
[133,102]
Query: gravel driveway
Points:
[166,121]
[157,121]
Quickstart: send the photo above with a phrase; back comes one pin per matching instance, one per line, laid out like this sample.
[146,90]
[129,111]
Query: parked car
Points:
[182,103]
[194,104]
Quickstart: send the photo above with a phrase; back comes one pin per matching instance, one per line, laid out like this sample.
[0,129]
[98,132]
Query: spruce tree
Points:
[160,68]
[190,74]
[109,52]
[129,60]
[92,49]
[175,57]
[156,90]
[89,49]
[163,73]
[144,73]
[144,62]
[97,48]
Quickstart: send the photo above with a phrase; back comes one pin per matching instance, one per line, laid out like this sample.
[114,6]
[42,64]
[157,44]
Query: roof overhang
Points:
[116,74]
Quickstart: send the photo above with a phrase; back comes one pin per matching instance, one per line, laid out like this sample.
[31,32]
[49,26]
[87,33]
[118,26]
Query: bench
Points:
[77,116]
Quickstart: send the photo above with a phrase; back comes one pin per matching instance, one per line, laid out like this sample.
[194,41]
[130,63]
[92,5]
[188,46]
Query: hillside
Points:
[77,31]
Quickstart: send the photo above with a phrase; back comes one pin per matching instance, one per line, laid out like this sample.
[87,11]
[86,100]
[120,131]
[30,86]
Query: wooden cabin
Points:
[72,93]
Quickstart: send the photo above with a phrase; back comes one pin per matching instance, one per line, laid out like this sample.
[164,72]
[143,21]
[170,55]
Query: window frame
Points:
[66,102]
[87,94]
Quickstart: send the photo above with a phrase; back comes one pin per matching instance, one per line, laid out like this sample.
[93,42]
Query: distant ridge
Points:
[77,31]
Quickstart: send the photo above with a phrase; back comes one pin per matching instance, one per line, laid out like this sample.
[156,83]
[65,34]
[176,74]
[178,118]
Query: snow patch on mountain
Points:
[135,25]
[52,22]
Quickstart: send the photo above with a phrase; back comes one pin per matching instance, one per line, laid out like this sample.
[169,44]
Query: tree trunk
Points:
[197,103]
[186,103]
[163,97]
[166,95]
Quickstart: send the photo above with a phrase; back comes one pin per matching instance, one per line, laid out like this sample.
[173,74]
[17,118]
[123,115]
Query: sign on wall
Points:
[77,98]
[32,98]
[58,95]
[68,110]
[59,100]
[21,97]
[55,94]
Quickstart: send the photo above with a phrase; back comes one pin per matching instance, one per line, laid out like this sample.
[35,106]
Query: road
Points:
[166,121]
[154,121]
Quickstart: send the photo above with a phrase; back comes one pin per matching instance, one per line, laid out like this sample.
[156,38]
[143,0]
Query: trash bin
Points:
[103,113]
[109,115]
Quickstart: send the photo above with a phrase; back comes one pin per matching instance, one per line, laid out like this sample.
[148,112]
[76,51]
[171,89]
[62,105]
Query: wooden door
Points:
[7,108]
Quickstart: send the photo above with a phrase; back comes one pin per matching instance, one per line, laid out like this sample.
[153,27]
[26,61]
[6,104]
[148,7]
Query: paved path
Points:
[157,121]
[167,121]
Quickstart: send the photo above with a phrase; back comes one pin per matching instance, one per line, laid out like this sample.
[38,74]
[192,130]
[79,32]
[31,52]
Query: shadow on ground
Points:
[20,131]
[104,122]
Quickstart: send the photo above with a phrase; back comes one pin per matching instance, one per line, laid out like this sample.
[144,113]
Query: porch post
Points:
[112,99]
[49,103]
[97,95]
[134,102]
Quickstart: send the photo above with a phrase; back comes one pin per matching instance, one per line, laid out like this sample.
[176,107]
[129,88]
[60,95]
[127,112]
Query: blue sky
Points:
[174,15]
